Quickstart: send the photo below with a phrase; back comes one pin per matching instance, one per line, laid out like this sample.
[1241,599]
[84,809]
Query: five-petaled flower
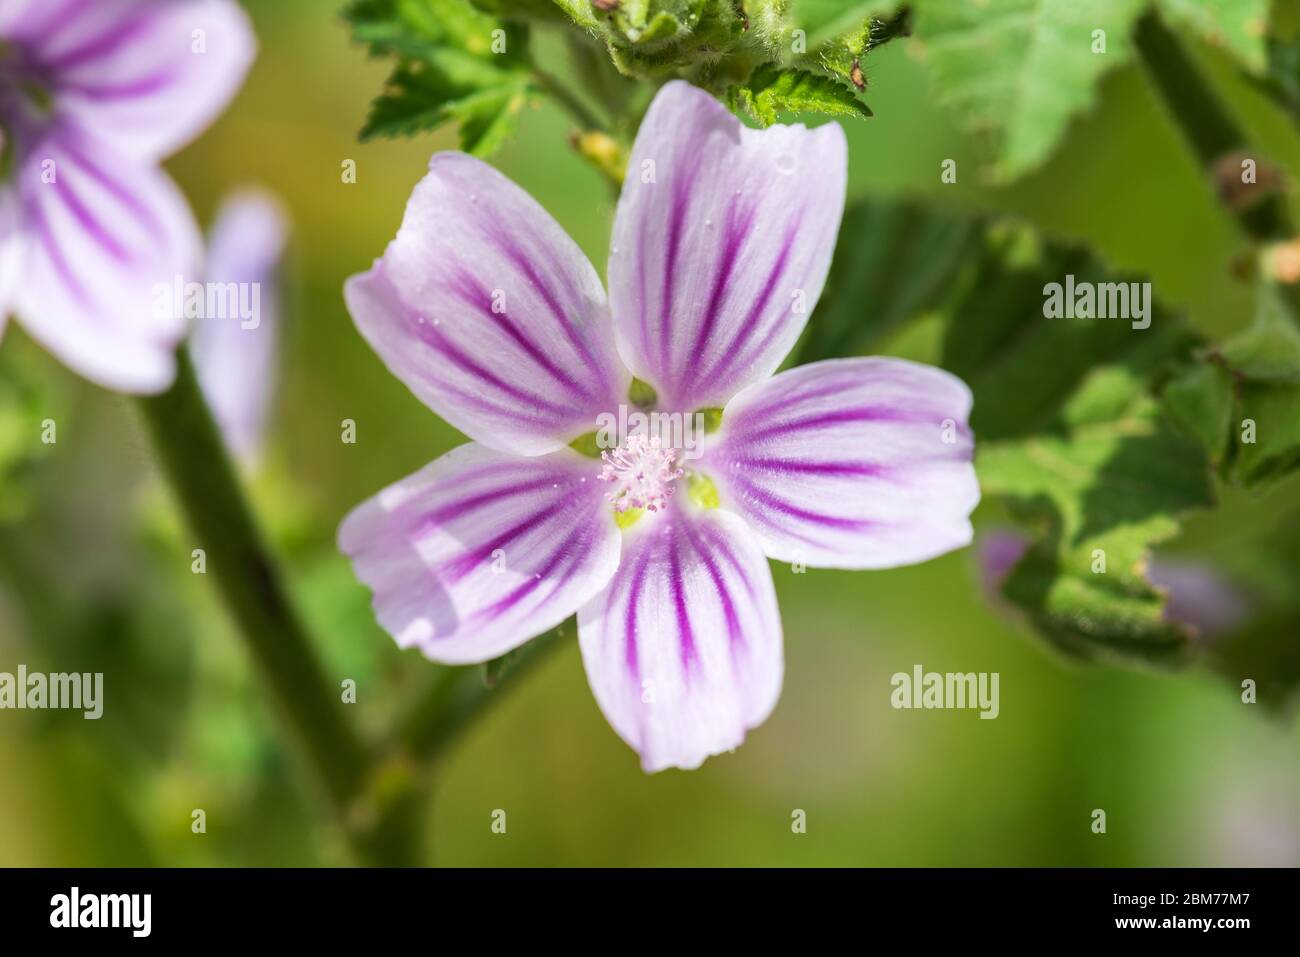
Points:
[492,316]
[93,93]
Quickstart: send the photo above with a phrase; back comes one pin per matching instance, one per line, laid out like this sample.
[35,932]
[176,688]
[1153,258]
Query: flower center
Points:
[642,471]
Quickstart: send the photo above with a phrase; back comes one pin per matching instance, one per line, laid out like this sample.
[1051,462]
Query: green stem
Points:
[1205,122]
[566,98]
[203,480]
[457,696]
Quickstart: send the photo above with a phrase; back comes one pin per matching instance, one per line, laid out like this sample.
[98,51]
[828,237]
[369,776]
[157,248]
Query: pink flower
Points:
[494,318]
[93,94]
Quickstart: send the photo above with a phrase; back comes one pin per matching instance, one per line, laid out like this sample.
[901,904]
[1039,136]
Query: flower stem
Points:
[456,696]
[203,480]
[1204,121]
[567,99]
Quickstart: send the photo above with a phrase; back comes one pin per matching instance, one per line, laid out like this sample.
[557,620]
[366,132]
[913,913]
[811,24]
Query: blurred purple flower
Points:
[493,317]
[93,93]
[235,356]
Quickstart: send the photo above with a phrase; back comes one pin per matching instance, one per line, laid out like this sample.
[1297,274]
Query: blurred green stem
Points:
[1204,121]
[203,480]
[456,696]
[566,98]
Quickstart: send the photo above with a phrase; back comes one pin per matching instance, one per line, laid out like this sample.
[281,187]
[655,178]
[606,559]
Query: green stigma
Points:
[702,491]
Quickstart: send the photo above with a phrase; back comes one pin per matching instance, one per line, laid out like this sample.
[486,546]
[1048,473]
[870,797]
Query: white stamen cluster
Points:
[643,472]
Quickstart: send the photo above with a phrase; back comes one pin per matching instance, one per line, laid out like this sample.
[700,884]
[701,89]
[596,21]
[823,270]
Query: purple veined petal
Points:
[480,550]
[235,353]
[490,313]
[107,239]
[721,245]
[142,75]
[850,463]
[683,650]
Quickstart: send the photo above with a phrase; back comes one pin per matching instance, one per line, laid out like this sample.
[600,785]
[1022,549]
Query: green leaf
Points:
[894,262]
[1102,492]
[823,20]
[772,90]
[1264,362]
[29,415]
[1074,439]
[1199,401]
[455,64]
[1239,26]
[1019,70]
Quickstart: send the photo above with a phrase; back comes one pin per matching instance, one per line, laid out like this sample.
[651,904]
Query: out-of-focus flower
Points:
[493,317]
[235,353]
[93,94]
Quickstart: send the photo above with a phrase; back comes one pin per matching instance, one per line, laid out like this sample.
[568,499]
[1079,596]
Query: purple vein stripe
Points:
[568,553]
[461,565]
[722,546]
[814,467]
[685,635]
[520,260]
[734,636]
[739,224]
[106,43]
[631,657]
[842,417]
[774,503]
[749,326]
[91,224]
[478,298]
[430,335]
[57,260]
[142,213]
[457,510]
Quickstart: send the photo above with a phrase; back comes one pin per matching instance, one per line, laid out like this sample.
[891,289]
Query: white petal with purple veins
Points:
[721,245]
[105,234]
[480,551]
[850,463]
[683,649]
[490,313]
[235,356]
[142,75]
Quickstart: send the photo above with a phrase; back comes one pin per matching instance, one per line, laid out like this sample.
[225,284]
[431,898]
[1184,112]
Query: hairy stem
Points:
[203,481]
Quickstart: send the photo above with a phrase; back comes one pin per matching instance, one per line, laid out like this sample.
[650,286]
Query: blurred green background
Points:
[95,575]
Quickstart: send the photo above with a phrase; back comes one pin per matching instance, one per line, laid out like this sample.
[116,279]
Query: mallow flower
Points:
[492,316]
[235,351]
[93,94]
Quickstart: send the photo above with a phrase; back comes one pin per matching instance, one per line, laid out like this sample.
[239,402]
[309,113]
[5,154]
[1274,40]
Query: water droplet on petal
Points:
[785,163]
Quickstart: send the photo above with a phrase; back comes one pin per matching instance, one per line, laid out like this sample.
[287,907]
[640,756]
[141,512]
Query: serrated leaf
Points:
[1239,26]
[455,63]
[1103,493]
[1071,435]
[1019,70]
[1265,363]
[772,90]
